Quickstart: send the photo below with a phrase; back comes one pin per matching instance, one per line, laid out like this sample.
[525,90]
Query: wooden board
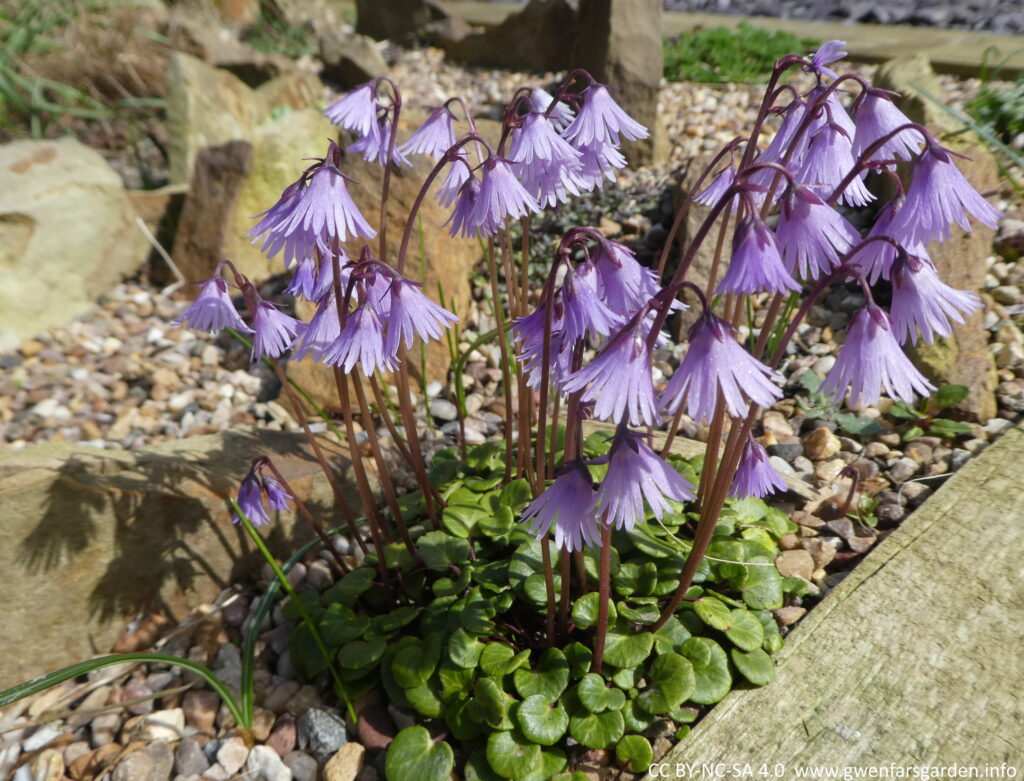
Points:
[914,659]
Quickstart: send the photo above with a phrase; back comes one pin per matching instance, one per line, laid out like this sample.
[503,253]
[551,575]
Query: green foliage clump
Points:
[721,55]
[1000,110]
[461,640]
[923,418]
[271,35]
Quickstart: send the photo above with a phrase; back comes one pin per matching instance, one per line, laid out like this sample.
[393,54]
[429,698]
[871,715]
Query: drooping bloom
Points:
[277,496]
[314,280]
[938,196]
[528,331]
[250,500]
[756,264]
[570,505]
[827,161]
[920,300]
[434,137]
[212,310]
[875,258]
[601,119]
[584,313]
[755,476]
[461,219]
[312,214]
[778,147]
[274,331]
[356,111]
[723,180]
[375,144]
[635,473]
[321,333]
[829,52]
[547,164]
[361,342]
[458,174]
[501,195]
[618,380]
[871,361]
[716,362]
[877,116]
[561,115]
[599,161]
[623,283]
[413,314]
[812,234]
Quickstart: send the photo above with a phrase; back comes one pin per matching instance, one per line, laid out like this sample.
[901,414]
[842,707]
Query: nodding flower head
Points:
[756,265]
[871,361]
[501,196]
[375,144]
[434,137]
[274,330]
[635,474]
[356,111]
[361,342]
[623,283]
[585,313]
[715,362]
[829,52]
[877,117]
[922,301]
[938,196]
[812,234]
[547,165]
[755,476]
[213,310]
[602,120]
[828,159]
[719,186]
[259,488]
[313,214]
[561,115]
[413,314]
[569,504]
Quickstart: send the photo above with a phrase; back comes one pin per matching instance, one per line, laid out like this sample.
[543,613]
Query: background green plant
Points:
[720,55]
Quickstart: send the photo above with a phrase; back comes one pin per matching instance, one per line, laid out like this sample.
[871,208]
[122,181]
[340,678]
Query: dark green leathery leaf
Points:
[596,696]
[671,681]
[745,630]
[540,720]
[756,666]
[414,754]
[511,755]
[712,679]
[635,752]
[598,730]
[548,678]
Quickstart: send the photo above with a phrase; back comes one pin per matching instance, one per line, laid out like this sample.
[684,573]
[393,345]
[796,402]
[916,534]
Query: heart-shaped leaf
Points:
[463,649]
[712,679]
[426,699]
[671,635]
[498,524]
[461,722]
[636,718]
[746,630]
[492,702]
[360,654]
[713,612]
[340,625]
[756,666]
[440,550]
[625,648]
[498,659]
[579,658]
[549,677]
[762,586]
[772,636]
[670,682]
[595,695]
[350,587]
[536,588]
[413,665]
[541,721]
[598,730]
[455,681]
[515,495]
[585,610]
[413,754]
[635,752]
[511,754]
[396,619]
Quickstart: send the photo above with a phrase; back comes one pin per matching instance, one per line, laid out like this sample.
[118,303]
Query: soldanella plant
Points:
[554,591]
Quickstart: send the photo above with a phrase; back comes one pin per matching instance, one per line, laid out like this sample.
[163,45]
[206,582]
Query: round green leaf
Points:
[671,681]
[635,717]
[625,648]
[492,702]
[671,635]
[713,612]
[641,614]
[585,609]
[412,666]
[746,630]
[463,649]
[579,658]
[629,678]
[350,587]
[772,636]
[712,679]
[413,754]
[478,768]
[635,752]
[540,720]
[360,654]
[426,699]
[756,666]
[396,619]
[536,588]
[549,678]
[341,625]
[510,754]
[498,524]
[462,725]
[498,659]
[455,681]
[596,696]
[598,730]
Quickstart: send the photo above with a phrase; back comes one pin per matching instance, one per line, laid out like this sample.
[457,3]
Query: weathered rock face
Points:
[207,106]
[964,358]
[619,43]
[94,536]
[396,19]
[67,233]
[538,38]
[350,60]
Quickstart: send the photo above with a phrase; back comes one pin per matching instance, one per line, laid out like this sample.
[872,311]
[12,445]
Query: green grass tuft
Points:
[721,55]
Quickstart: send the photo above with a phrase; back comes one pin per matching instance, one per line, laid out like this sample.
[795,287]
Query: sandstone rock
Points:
[398,20]
[820,444]
[67,234]
[153,762]
[124,530]
[619,43]
[207,106]
[346,764]
[795,562]
[964,357]
[537,38]
[350,59]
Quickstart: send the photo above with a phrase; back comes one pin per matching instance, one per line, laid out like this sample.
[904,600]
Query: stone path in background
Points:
[962,52]
[914,659]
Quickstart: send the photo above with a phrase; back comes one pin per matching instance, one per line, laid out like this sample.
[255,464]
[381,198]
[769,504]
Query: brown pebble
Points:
[798,563]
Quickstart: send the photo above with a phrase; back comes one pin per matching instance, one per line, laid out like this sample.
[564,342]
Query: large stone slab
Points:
[92,537]
[914,659]
[67,234]
[536,37]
